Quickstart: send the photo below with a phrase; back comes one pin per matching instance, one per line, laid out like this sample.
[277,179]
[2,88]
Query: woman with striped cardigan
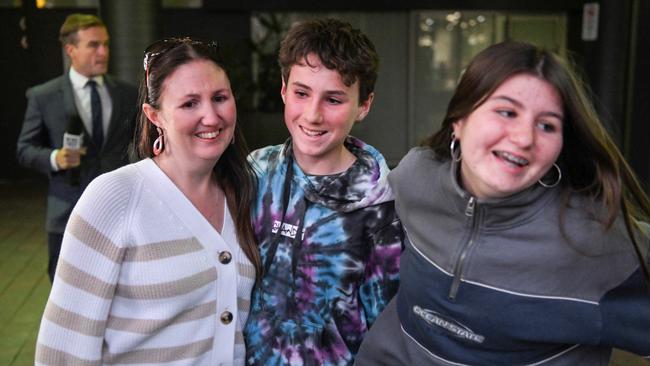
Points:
[158,257]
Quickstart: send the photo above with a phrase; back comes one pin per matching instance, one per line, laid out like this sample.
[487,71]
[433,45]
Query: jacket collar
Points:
[495,212]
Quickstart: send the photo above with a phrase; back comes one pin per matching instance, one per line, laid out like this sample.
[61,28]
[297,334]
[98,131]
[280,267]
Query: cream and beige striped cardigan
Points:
[143,278]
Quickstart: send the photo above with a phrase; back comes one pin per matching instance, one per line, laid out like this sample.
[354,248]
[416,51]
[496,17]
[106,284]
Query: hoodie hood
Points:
[363,184]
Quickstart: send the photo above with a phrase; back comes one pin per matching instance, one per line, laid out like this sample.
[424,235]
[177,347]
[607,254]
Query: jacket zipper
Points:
[460,263]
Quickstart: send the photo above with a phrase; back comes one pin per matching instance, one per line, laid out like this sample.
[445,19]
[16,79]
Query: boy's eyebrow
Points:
[336,92]
[330,92]
[301,85]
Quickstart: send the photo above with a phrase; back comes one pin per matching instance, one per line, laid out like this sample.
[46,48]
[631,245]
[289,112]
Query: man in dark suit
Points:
[99,108]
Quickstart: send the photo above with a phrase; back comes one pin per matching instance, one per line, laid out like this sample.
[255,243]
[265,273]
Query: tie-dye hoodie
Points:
[330,247]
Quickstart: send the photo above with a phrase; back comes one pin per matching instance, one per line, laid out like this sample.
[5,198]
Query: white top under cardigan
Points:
[139,279]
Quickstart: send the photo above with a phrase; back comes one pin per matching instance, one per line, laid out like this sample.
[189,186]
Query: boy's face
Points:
[319,111]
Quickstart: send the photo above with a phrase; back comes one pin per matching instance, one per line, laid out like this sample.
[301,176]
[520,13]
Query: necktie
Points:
[96,113]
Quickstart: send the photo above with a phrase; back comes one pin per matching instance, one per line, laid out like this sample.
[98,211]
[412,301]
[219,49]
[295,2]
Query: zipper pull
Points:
[469,210]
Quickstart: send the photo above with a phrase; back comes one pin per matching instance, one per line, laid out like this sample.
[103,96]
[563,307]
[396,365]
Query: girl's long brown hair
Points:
[591,162]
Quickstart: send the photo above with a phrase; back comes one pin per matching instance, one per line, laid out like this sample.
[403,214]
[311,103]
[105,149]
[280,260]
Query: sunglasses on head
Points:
[164,45]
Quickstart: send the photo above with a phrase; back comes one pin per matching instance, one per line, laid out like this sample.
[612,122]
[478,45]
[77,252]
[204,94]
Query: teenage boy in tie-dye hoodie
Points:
[324,217]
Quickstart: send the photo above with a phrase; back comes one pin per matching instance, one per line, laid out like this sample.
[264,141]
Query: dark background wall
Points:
[31,54]
[612,65]
[638,101]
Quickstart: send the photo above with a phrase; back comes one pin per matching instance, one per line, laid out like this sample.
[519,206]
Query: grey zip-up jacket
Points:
[497,282]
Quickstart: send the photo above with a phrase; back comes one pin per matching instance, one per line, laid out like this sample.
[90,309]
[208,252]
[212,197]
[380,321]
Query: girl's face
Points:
[511,140]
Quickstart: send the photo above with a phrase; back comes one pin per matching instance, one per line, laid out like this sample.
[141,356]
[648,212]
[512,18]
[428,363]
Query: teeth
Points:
[208,135]
[512,159]
[312,133]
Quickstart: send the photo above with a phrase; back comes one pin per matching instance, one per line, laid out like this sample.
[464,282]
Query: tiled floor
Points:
[24,285]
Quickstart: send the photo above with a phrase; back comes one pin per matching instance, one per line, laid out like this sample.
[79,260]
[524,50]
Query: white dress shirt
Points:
[81,93]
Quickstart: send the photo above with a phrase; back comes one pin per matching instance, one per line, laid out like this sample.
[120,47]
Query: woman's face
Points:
[512,139]
[197,113]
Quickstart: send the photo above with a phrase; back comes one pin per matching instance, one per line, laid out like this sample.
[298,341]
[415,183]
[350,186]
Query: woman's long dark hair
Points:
[233,172]
[591,162]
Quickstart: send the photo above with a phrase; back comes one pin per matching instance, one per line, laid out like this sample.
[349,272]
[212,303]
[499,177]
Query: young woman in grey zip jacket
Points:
[525,236]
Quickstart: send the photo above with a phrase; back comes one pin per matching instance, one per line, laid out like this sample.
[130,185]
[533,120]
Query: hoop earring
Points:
[455,156]
[559,178]
[159,143]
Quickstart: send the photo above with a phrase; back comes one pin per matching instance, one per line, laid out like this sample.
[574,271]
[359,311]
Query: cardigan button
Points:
[226,317]
[225,257]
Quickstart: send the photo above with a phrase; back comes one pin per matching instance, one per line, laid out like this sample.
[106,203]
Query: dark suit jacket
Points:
[49,108]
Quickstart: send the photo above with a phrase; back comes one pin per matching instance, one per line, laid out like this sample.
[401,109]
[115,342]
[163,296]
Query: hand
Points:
[69,158]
